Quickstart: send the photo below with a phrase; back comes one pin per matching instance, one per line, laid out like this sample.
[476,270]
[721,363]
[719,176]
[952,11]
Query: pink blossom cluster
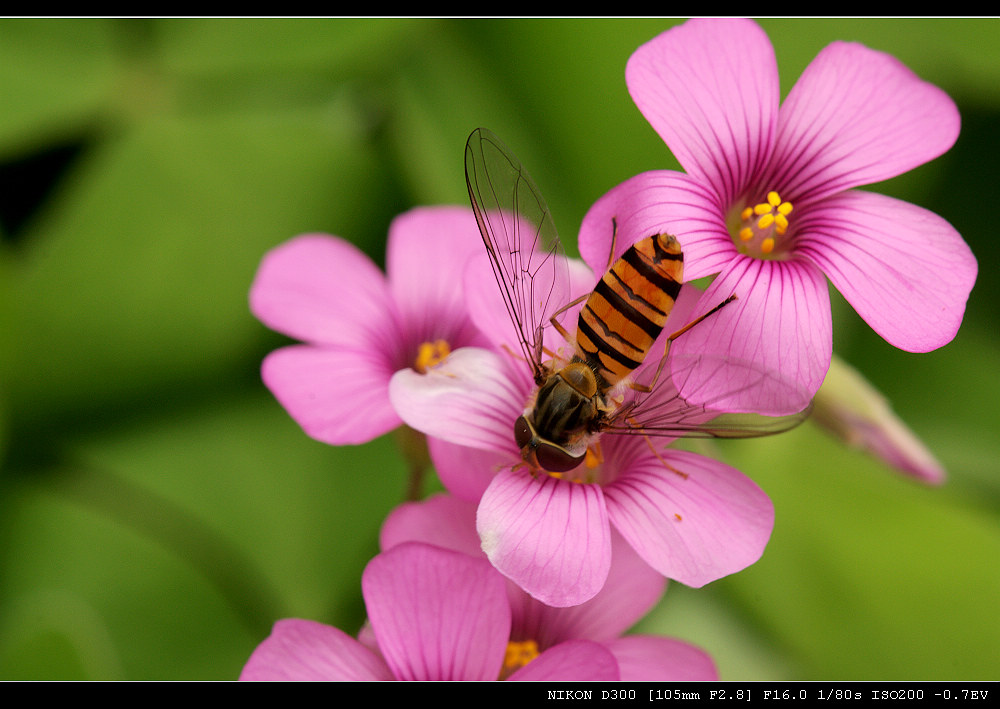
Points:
[519,574]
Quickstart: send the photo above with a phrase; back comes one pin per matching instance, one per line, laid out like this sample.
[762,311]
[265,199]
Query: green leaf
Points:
[138,276]
[55,78]
[869,575]
[166,548]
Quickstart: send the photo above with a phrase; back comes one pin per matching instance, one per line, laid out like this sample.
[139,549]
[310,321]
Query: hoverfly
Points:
[594,392]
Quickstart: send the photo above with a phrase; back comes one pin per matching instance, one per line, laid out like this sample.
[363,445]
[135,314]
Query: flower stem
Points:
[413,445]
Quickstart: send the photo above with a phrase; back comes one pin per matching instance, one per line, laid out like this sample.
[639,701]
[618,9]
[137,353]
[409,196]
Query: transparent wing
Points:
[663,411]
[521,239]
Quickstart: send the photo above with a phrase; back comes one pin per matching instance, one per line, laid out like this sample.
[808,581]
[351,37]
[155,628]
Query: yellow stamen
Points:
[594,456]
[579,475]
[431,354]
[762,225]
[519,653]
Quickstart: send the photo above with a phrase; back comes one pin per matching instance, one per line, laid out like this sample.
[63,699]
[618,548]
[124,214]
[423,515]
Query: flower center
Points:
[760,228]
[519,653]
[430,354]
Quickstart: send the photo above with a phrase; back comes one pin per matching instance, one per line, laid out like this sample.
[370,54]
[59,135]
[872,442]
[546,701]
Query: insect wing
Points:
[520,236]
[663,411]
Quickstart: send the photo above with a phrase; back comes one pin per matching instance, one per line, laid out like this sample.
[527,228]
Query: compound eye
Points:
[522,432]
[555,459]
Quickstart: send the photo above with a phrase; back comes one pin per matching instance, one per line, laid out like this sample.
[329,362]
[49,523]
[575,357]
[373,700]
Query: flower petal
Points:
[574,660]
[425,258]
[492,315]
[466,472]
[857,116]
[441,520]
[768,351]
[659,202]
[437,614]
[646,658]
[550,537]
[710,89]
[337,396]
[905,270]
[322,289]
[468,399]
[306,651]
[632,589]
[696,521]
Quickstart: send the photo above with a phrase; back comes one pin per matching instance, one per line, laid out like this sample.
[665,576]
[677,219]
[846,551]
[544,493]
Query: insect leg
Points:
[559,328]
[671,338]
[655,452]
[611,255]
[697,320]
[512,353]
[614,240]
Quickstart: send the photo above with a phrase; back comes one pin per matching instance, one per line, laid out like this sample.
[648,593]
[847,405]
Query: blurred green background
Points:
[159,510]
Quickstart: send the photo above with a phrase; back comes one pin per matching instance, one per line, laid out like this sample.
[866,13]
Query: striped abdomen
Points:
[629,307]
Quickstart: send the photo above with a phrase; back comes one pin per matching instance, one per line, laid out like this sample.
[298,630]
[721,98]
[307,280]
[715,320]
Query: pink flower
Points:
[632,589]
[360,326]
[691,518]
[438,611]
[767,202]
[437,614]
